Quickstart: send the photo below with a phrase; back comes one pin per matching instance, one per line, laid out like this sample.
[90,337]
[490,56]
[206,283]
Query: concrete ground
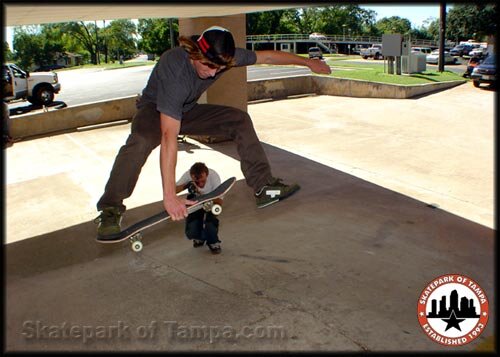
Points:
[394,194]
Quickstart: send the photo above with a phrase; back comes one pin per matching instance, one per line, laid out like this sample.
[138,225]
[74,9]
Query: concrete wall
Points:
[285,87]
[57,120]
[281,88]
[70,118]
[364,89]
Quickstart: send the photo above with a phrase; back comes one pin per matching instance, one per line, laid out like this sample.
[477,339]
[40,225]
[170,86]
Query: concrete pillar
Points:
[231,88]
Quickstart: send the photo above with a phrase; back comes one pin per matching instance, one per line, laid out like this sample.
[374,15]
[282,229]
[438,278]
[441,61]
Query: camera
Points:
[191,187]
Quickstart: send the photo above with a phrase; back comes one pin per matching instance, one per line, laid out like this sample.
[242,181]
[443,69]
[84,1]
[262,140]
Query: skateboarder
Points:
[168,107]
[201,226]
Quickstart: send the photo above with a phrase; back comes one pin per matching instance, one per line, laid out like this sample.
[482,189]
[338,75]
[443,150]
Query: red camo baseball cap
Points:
[217,44]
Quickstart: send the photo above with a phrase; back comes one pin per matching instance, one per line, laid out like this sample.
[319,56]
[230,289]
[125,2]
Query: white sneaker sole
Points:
[268,204]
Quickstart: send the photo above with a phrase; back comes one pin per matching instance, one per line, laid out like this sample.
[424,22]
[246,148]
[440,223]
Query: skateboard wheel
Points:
[137,246]
[216,209]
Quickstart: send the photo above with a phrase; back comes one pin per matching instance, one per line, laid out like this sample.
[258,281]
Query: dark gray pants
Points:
[202,225]
[204,119]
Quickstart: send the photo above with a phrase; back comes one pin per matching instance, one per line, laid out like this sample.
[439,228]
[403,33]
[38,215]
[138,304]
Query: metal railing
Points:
[335,39]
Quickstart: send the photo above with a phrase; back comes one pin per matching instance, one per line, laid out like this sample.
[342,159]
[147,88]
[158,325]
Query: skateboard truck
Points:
[215,208]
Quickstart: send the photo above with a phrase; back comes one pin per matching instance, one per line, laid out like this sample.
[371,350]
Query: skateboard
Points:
[134,232]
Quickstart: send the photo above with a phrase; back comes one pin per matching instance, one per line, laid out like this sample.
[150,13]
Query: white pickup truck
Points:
[38,88]
[374,52]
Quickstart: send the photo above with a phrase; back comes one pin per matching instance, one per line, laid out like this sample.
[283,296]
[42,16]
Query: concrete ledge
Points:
[285,87]
[68,118]
[365,89]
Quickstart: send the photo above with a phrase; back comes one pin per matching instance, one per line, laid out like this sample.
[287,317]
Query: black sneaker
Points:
[273,192]
[198,243]
[215,248]
[109,222]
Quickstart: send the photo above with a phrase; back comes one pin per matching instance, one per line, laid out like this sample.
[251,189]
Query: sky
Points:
[416,13]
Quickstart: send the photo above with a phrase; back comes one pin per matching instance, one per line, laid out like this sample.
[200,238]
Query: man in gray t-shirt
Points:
[168,108]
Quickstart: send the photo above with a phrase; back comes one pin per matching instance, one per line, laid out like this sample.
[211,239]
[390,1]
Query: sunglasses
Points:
[213,66]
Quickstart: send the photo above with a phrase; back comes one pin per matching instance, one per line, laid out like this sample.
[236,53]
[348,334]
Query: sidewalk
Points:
[337,267]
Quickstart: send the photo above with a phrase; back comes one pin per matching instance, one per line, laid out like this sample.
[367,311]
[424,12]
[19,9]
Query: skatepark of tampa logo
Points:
[453,310]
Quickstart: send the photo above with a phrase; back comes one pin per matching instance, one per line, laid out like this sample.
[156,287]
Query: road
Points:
[82,86]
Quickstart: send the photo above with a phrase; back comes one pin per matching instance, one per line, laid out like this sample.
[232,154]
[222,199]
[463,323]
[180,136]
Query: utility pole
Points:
[442,35]
[96,45]
[172,40]
[105,43]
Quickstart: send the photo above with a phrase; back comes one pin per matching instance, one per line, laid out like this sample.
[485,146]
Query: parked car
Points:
[433,58]
[38,88]
[461,50]
[49,67]
[315,52]
[317,36]
[423,50]
[356,50]
[485,72]
[375,52]
[474,61]
[479,52]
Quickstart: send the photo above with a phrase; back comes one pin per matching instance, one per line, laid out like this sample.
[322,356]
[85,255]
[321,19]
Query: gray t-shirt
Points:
[174,85]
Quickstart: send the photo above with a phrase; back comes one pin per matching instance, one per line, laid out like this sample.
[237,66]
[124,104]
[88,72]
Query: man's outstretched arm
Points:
[174,205]
[286,58]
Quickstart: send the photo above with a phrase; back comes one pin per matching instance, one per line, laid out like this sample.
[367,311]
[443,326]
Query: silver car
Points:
[433,58]
[315,52]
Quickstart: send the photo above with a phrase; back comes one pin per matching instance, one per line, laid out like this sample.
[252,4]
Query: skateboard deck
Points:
[134,232]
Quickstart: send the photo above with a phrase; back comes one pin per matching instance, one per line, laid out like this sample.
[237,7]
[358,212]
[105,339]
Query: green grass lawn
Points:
[115,65]
[374,72]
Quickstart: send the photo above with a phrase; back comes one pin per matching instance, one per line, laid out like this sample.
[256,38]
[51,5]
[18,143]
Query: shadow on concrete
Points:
[340,265]
[32,107]
[338,203]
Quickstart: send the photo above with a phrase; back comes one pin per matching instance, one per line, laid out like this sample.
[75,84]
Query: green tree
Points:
[52,45]
[328,20]
[118,39]
[271,22]
[27,46]
[471,21]
[84,34]
[393,24]
[7,53]
[431,26]
[155,35]
[289,21]
[345,19]
[309,20]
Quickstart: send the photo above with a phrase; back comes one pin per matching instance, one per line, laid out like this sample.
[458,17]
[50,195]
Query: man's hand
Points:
[319,66]
[176,207]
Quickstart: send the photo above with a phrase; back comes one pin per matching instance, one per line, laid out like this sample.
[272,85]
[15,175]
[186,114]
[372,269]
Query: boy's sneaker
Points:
[198,243]
[215,248]
[273,192]
[109,222]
